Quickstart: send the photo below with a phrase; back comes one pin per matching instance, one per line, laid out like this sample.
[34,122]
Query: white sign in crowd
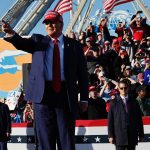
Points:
[12,99]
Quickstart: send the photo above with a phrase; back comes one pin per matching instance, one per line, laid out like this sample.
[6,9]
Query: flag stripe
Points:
[115,4]
[63,3]
[110,4]
[63,6]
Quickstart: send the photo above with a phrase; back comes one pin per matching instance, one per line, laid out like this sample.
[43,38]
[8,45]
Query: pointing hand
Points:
[6,28]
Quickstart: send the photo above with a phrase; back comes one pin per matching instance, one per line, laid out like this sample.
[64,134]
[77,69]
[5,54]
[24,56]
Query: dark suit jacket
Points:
[5,122]
[120,123]
[74,68]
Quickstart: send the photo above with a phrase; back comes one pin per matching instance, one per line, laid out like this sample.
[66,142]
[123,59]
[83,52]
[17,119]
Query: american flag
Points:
[63,6]
[110,4]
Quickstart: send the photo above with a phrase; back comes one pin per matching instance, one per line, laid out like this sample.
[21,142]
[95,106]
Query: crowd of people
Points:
[111,59]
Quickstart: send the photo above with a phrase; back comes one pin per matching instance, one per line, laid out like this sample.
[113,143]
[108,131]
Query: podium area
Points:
[90,135]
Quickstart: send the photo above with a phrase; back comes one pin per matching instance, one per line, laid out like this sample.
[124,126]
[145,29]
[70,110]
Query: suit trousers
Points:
[3,145]
[54,122]
[125,147]
[130,146]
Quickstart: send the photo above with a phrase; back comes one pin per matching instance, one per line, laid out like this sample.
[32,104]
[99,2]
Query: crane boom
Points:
[14,14]
[24,25]
[75,17]
[84,19]
[144,9]
[34,14]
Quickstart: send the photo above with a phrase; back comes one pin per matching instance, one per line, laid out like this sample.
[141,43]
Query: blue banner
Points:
[147,77]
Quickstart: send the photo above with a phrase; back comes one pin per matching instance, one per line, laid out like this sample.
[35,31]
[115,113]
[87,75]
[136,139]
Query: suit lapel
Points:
[66,46]
[66,53]
[45,41]
[45,44]
[129,103]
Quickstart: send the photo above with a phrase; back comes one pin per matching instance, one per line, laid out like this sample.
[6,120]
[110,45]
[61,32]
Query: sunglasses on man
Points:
[123,88]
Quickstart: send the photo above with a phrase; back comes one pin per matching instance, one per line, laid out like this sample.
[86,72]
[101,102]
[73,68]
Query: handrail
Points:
[84,19]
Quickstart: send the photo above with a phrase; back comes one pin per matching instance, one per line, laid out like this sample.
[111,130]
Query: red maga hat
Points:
[140,51]
[140,76]
[52,16]
[113,92]
[89,39]
[115,41]
[92,88]
[106,42]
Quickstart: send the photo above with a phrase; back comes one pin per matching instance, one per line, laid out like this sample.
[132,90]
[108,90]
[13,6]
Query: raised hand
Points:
[6,28]
[111,140]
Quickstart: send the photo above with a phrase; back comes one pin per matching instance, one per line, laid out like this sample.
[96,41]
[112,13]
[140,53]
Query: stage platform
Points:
[90,135]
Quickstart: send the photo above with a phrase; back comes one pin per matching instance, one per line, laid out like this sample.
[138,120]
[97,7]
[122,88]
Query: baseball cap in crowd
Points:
[97,66]
[115,41]
[147,60]
[127,68]
[52,16]
[101,74]
[92,88]
[113,92]
[122,48]
[106,42]
[99,33]
[136,41]
[88,39]
[140,76]
[140,51]
[148,38]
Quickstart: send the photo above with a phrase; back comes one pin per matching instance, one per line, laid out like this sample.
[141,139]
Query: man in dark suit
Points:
[5,126]
[55,97]
[125,124]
